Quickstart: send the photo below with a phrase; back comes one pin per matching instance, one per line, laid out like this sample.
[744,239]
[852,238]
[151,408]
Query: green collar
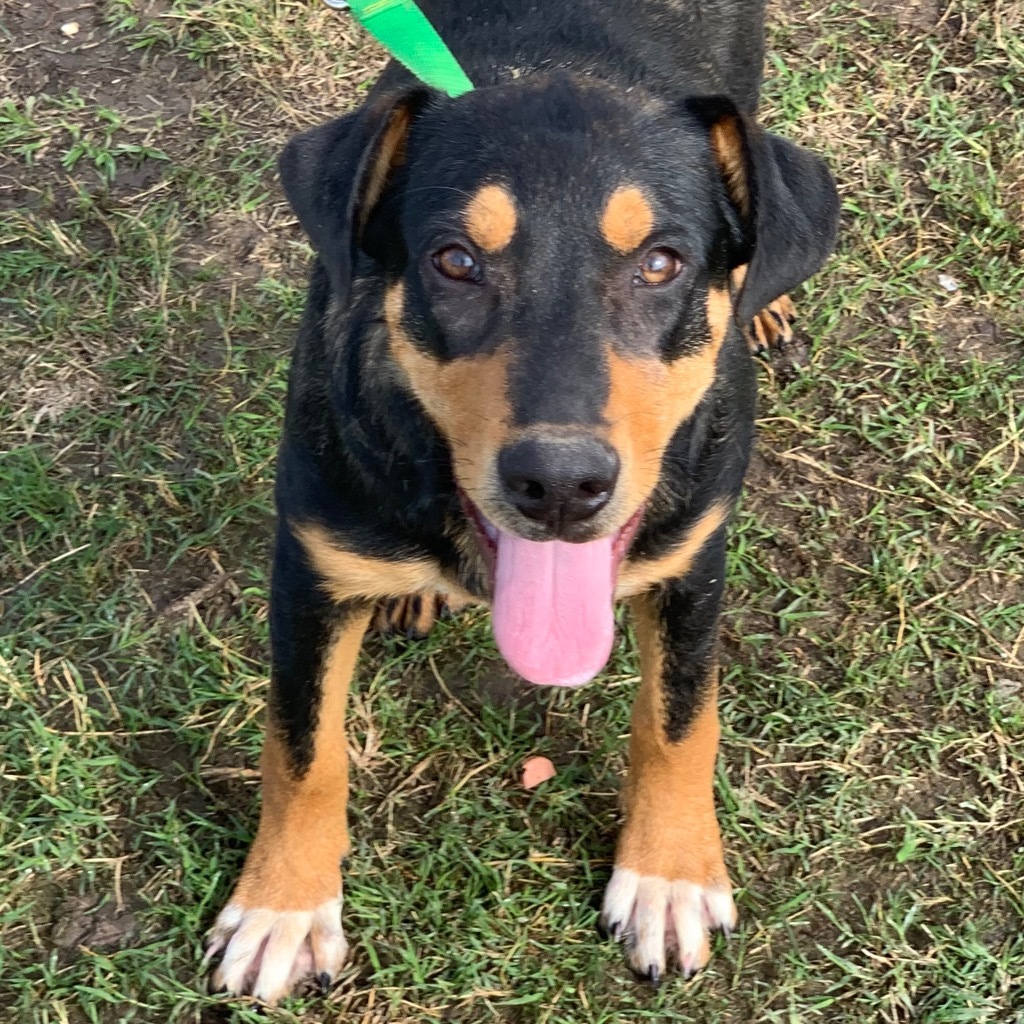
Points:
[404,30]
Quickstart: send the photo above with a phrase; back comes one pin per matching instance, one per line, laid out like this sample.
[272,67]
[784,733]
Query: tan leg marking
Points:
[669,886]
[283,920]
[772,328]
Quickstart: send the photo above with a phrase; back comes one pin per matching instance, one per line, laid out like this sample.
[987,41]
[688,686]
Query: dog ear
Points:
[335,174]
[784,196]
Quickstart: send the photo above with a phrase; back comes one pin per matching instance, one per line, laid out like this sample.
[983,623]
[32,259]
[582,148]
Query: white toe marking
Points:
[648,925]
[243,950]
[230,917]
[687,915]
[327,939]
[618,900]
[719,909]
[227,921]
[267,951]
[658,915]
[284,943]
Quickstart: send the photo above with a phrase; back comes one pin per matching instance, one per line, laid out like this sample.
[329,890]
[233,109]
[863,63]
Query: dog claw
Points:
[655,975]
[323,979]
[411,617]
[771,328]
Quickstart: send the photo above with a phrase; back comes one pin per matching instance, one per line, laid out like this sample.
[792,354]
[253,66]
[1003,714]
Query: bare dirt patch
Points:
[981,337]
[919,15]
[85,923]
[44,59]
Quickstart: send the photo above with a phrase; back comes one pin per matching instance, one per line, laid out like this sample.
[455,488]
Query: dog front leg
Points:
[283,921]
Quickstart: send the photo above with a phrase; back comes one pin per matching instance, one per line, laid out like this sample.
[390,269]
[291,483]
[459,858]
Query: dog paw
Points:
[659,919]
[771,328]
[266,953]
[414,616]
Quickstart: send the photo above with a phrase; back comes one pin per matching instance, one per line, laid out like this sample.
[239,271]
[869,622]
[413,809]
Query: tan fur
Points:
[401,615]
[766,331]
[491,218]
[671,830]
[294,862]
[649,399]
[348,575]
[727,145]
[390,154]
[466,398]
[627,219]
[636,577]
[738,275]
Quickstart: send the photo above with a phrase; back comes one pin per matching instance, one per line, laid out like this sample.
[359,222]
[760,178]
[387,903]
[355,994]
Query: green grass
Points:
[872,780]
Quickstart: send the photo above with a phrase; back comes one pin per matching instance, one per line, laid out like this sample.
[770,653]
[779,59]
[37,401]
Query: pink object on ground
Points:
[552,610]
[537,770]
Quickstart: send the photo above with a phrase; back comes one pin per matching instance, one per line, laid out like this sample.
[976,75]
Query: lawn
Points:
[872,779]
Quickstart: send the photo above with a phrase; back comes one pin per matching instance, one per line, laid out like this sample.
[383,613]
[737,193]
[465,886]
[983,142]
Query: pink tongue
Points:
[552,611]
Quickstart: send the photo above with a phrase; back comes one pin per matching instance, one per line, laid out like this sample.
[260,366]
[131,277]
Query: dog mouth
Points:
[553,607]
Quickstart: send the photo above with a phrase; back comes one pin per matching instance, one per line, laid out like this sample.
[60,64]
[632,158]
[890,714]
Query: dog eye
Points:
[659,266]
[456,263]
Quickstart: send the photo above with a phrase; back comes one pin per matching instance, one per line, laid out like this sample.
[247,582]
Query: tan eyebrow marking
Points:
[627,219]
[491,218]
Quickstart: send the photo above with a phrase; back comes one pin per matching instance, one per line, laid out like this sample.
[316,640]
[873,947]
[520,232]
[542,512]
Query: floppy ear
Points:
[785,198]
[334,175]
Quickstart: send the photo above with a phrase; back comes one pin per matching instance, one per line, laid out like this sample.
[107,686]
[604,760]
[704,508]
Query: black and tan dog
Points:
[522,379]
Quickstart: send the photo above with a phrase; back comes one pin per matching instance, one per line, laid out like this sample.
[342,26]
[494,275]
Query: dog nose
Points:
[559,481]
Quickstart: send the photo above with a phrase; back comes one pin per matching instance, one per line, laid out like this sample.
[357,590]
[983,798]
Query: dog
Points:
[523,378]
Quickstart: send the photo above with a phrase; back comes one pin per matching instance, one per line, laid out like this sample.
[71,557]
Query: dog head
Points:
[556,259]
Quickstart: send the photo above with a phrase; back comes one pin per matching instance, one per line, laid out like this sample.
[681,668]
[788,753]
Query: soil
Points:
[93,924]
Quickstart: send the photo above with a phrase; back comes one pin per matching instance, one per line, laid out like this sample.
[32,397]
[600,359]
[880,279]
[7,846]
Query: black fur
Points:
[571,99]
[688,611]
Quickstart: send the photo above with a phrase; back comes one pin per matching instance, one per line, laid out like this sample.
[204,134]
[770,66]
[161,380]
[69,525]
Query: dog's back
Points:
[674,48]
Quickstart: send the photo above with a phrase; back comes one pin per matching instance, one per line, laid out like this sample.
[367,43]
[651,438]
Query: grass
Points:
[872,782]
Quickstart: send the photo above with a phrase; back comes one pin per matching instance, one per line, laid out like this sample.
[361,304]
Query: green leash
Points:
[404,30]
